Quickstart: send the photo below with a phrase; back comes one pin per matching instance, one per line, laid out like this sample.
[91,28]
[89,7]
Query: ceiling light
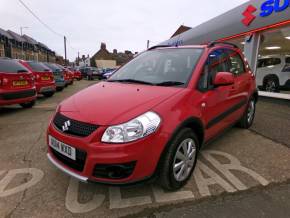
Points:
[287,37]
[273,47]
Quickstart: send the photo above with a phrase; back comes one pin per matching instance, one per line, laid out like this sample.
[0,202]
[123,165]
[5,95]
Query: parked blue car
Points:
[58,76]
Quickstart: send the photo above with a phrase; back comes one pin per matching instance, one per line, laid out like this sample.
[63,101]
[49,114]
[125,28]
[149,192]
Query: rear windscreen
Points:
[52,67]
[38,67]
[11,66]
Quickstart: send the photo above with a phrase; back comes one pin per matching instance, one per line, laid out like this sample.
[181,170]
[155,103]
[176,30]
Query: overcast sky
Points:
[121,24]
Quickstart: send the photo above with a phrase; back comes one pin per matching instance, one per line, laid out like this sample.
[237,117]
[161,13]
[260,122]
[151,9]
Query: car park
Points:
[17,85]
[58,76]
[273,73]
[171,101]
[44,79]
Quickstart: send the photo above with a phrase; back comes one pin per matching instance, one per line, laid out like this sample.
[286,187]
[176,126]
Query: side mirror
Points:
[223,79]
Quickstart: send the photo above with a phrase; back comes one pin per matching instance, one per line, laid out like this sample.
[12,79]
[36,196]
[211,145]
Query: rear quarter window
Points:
[12,66]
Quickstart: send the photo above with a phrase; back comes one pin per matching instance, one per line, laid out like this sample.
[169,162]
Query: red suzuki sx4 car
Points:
[16,84]
[44,80]
[153,115]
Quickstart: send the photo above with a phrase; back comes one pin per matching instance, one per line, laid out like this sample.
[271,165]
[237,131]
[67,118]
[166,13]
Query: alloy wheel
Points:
[184,159]
[251,111]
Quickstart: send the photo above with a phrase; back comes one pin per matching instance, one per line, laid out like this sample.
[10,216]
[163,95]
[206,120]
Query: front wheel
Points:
[179,161]
[249,115]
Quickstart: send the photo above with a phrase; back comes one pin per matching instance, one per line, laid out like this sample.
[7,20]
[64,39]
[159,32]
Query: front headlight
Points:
[135,129]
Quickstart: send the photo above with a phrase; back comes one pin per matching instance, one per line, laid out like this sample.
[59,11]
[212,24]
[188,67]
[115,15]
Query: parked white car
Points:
[273,73]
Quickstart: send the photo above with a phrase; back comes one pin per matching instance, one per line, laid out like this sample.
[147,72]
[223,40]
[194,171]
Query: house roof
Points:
[180,30]
[30,40]
[43,45]
[5,33]
[16,36]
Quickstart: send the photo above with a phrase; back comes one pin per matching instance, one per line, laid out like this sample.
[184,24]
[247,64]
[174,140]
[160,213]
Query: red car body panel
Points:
[43,80]
[7,88]
[107,104]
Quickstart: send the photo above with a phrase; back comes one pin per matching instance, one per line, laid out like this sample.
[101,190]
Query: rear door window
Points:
[11,66]
[266,62]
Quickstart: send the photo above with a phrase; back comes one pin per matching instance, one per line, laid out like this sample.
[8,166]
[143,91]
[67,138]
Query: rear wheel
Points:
[28,104]
[48,94]
[249,115]
[179,161]
[59,88]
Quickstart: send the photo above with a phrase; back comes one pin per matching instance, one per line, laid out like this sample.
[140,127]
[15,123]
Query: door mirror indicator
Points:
[223,79]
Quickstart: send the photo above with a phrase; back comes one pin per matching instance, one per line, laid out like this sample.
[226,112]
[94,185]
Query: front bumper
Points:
[17,96]
[145,153]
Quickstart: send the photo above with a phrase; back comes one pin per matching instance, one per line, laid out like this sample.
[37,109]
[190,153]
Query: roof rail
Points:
[159,46]
[212,44]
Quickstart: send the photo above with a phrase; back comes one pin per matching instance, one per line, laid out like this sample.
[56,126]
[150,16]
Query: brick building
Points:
[105,59]
[24,47]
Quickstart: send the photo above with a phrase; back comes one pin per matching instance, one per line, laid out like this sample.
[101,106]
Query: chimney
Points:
[115,51]
[103,46]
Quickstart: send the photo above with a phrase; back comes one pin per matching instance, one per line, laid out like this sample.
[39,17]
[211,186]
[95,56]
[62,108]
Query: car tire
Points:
[48,94]
[173,179]
[28,104]
[271,84]
[59,89]
[249,115]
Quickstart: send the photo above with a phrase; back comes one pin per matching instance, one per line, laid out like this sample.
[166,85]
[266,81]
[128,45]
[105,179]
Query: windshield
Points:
[172,67]
[38,67]
[11,66]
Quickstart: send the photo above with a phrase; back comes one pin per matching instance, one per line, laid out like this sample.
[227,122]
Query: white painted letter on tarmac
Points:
[234,164]
[36,175]
[161,196]
[71,200]
[204,183]
[117,202]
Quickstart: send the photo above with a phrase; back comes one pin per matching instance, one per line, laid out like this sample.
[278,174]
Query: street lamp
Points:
[21,30]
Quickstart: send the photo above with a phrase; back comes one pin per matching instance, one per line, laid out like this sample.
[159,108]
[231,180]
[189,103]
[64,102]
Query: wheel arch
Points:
[193,123]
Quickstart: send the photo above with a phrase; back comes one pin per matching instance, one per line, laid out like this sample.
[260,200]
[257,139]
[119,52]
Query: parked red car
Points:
[153,115]
[44,79]
[76,73]
[16,84]
[68,75]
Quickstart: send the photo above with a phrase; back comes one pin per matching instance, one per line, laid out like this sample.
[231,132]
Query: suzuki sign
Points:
[266,9]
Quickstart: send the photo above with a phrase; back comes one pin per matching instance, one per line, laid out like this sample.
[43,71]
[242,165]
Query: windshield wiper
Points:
[170,83]
[131,81]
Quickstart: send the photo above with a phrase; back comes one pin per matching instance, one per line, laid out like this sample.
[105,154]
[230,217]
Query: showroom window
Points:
[273,73]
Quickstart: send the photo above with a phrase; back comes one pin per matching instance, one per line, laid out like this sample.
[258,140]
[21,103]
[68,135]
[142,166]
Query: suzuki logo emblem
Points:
[248,14]
[66,125]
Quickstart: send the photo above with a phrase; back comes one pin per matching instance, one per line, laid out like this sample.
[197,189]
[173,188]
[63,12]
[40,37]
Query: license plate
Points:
[45,78]
[20,83]
[62,148]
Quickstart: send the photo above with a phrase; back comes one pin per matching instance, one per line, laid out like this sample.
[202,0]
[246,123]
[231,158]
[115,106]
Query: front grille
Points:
[75,128]
[18,95]
[77,164]
[114,171]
